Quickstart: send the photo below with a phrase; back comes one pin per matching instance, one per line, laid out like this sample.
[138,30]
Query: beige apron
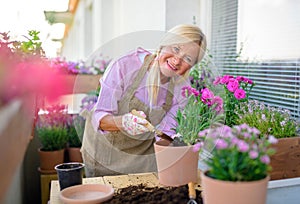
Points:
[117,152]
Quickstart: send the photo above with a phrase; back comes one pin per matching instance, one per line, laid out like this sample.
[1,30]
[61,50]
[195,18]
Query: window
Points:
[260,40]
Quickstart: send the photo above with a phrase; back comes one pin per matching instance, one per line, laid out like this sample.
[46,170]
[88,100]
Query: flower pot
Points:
[229,192]
[69,174]
[176,165]
[74,154]
[283,168]
[49,159]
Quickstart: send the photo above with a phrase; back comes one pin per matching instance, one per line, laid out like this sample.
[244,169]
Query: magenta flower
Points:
[206,96]
[232,85]
[217,80]
[239,94]
[218,102]
[225,79]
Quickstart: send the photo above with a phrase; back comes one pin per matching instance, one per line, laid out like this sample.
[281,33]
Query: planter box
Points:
[15,134]
[286,161]
[285,191]
[83,83]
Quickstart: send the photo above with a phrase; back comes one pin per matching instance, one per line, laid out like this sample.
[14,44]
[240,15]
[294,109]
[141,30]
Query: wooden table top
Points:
[122,181]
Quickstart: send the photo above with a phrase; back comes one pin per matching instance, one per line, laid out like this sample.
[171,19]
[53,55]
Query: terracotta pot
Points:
[49,159]
[74,154]
[176,165]
[282,167]
[228,192]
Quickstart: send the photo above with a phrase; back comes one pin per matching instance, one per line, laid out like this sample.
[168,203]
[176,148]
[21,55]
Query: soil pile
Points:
[141,194]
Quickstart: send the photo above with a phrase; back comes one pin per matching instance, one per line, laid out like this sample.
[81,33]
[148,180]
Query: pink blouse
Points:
[118,78]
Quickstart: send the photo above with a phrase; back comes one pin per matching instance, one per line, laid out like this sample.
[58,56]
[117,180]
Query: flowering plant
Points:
[267,119]
[52,127]
[25,72]
[237,90]
[239,153]
[203,110]
[98,65]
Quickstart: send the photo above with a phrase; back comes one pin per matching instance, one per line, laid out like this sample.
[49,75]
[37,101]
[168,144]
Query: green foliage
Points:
[52,128]
[267,119]
[31,46]
[202,111]
[52,138]
[75,131]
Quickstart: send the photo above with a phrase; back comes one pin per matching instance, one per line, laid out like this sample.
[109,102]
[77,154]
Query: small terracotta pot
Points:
[176,165]
[74,154]
[229,192]
[49,159]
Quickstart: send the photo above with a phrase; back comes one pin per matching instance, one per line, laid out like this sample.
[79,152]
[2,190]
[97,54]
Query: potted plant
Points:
[238,166]
[75,128]
[279,123]
[51,128]
[202,111]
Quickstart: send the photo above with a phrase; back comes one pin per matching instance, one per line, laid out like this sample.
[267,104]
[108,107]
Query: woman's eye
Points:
[176,49]
[187,59]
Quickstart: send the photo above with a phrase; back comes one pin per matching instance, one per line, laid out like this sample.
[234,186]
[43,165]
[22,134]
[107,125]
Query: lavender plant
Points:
[52,129]
[267,119]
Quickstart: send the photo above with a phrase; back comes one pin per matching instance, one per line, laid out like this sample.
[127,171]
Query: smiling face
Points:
[176,59]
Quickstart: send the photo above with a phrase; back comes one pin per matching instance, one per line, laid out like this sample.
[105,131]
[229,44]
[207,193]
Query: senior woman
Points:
[150,83]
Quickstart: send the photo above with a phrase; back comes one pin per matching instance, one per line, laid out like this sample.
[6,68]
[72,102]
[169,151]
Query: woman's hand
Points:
[133,124]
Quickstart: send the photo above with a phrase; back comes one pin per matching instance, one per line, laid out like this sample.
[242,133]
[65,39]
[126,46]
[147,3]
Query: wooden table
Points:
[122,181]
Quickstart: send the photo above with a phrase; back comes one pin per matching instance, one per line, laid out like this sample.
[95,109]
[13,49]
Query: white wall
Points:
[97,22]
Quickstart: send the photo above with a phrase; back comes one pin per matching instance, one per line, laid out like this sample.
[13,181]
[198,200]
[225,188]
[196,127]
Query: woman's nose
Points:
[176,60]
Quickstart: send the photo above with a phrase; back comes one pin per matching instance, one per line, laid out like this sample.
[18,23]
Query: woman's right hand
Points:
[133,124]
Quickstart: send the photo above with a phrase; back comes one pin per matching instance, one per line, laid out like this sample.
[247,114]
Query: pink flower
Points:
[243,146]
[225,79]
[240,78]
[218,102]
[197,146]
[217,80]
[232,85]
[253,154]
[272,139]
[206,96]
[221,144]
[239,94]
[265,159]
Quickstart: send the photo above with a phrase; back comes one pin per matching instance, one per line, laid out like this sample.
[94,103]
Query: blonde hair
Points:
[179,34]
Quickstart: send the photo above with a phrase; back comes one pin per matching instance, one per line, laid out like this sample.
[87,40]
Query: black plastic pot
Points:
[69,174]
